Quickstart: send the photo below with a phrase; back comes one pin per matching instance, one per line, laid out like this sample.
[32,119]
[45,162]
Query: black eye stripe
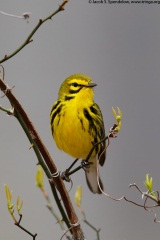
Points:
[74,84]
[75,91]
[75,87]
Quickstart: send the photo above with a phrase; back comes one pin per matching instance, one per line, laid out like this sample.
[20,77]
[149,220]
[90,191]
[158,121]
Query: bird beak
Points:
[90,85]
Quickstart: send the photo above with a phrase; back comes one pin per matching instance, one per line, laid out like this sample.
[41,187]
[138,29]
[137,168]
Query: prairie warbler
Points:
[76,123]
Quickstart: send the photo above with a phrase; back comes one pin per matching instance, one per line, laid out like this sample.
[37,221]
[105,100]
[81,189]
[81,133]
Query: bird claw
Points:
[65,176]
[85,164]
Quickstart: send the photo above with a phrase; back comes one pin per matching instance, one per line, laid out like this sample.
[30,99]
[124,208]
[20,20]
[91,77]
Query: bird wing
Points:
[100,132]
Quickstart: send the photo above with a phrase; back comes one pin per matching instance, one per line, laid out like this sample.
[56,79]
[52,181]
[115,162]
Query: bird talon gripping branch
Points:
[85,164]
[65,176]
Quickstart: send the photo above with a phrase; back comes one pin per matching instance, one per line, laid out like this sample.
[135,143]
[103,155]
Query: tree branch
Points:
[56,180]
[29,38]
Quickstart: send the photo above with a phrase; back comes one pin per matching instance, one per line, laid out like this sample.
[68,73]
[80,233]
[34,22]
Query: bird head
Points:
[76,85]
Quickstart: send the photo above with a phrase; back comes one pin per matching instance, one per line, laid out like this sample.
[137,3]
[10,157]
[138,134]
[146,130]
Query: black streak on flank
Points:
[88,116]
[54,107]
[55,113]
[92,127]
[90,120]
[81,121]
[93,110]
[52,129]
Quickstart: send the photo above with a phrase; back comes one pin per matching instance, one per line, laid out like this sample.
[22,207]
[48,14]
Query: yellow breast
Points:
[71,131]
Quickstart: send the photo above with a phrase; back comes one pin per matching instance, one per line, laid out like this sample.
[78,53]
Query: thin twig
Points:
[50,208]
[91,226]
[147,196]
[111,135]
[25,15]
[24,229]
[29,38]
[8,111]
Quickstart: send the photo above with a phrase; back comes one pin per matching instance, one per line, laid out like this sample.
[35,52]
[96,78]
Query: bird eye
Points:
[74,84]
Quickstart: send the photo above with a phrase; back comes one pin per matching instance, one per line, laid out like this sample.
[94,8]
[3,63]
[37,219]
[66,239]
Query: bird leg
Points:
[84,164]
[66,173]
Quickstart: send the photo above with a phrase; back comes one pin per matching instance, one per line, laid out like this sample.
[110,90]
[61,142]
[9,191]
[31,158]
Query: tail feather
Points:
[91,178]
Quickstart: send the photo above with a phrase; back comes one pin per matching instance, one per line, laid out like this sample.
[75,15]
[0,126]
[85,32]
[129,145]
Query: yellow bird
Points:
[76,123]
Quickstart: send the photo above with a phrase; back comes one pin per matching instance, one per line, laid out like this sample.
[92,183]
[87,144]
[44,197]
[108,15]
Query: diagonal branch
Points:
[29,38]
[57,181]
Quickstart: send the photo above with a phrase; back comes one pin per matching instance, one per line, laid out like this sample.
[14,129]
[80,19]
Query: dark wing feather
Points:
[103,144]
[98,125]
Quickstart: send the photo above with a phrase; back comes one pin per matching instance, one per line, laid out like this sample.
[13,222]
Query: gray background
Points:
[118,46]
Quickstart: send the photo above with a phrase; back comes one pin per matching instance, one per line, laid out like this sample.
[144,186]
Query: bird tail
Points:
[91,177]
